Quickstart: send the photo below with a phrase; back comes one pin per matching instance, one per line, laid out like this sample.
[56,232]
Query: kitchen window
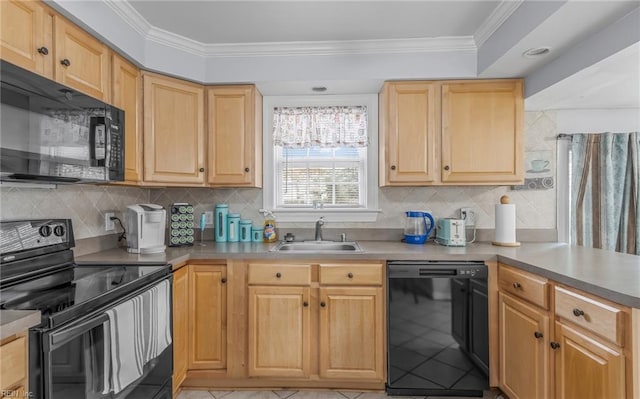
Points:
[321,158]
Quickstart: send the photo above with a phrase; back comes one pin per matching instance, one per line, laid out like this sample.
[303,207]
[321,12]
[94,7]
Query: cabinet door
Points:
[409,123]
[482,132]
[279,331]
[235,136]
[26,35]
[127,95]
[81,61]
[180,325]
[351,333]
[524,358]
[586,367]
[208,317]
[173,131]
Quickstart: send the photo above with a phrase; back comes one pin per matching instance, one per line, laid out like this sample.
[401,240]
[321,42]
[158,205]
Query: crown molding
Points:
[499,15]
[130,16]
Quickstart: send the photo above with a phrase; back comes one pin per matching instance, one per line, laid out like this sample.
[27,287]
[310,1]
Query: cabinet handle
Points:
[305,304]
[350,275]
[538,334]
[517,285]
[201,169]
[278,275]
[247,170]
[578,312]
[43,50]
[66,62]
[224,280]
[393,167]
[322,304]
[446,167]
[554,345]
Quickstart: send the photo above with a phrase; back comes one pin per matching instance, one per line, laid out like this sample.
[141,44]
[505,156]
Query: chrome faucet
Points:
[319,224]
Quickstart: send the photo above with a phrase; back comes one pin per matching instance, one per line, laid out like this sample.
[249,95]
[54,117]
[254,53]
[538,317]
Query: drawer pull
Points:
[278,275]
[578,312]
[538,334]
[322,304]
[517,285]
[350,275]
[554,345]
[223,280]
[305,304]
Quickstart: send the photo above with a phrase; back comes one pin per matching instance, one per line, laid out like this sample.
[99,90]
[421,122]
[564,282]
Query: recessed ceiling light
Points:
[536,52]
[319,89]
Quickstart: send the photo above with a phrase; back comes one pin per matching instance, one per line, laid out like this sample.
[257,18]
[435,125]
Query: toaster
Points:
[451,232]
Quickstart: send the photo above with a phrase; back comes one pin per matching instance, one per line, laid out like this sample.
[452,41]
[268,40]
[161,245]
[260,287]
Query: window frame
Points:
[367,214]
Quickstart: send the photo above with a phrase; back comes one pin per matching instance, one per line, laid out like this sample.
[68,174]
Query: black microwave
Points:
[50,133]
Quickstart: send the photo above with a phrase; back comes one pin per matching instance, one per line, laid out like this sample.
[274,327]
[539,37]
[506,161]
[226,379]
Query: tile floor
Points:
[201,394]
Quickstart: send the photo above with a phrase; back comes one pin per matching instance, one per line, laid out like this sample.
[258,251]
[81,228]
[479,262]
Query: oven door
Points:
[76,364]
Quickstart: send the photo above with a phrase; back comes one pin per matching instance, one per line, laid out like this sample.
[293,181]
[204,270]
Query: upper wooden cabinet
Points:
[409,123]
[434,133]
[26,35]
[482,131]
[234,136]
[127,95]
[174,145]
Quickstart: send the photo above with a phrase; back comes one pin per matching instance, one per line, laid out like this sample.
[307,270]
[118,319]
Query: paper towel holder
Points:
[504,200]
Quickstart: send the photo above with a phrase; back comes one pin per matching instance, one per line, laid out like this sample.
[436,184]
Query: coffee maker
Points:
[145,228]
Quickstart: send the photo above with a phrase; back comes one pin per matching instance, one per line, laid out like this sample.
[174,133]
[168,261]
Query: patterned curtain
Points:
[327,127]
[605,180]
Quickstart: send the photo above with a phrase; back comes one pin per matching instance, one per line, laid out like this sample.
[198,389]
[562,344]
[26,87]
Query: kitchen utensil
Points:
[416,229]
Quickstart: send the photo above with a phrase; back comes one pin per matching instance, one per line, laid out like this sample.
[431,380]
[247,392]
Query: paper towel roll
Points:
[506,225]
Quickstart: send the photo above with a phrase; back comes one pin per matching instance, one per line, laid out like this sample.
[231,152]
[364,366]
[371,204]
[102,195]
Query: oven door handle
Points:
[59,338]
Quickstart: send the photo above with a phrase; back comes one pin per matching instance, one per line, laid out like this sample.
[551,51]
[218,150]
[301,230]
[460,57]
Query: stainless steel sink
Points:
[317,246]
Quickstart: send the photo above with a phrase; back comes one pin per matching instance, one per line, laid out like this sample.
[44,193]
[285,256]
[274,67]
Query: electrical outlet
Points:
[468,215]
[109,225]
[208,215]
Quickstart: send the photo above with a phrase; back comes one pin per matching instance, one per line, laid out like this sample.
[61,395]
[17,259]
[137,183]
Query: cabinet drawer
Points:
[13,367]
[600,318]
[524,285]
[269,274]
[351,274]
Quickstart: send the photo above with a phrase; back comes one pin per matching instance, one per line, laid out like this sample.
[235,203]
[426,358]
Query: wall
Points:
[86,204]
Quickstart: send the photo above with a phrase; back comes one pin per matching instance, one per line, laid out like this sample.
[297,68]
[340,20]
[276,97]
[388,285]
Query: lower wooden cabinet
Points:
[279,331]
[351,333]
[207,317]
[180,325]
[524,353]
[586,367]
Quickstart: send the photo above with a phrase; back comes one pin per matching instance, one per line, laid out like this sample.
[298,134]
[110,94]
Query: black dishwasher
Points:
[438,334]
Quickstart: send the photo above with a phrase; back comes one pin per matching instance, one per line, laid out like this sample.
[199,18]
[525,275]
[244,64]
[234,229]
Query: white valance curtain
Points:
[326,127]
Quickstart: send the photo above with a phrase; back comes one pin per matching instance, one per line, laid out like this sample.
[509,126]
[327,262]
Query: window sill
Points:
[330,215]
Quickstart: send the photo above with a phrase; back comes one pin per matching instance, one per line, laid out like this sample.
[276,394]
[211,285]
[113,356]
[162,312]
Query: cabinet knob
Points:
[43,50]
[350,275]
[578,312]
[393,167]
[66,62]
[305,304]
[223,280]
[247,170]
[446,167]
[538,334]
[517,285]
[323,304]
[201,169]
[278,275]
[554,345]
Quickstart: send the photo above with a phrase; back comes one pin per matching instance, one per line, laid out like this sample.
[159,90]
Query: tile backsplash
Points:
[86,204]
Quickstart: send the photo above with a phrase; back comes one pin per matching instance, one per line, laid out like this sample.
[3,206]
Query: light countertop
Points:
[16,321]
[608,274]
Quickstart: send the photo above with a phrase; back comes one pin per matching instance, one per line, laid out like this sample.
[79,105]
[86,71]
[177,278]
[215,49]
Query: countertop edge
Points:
[16,321]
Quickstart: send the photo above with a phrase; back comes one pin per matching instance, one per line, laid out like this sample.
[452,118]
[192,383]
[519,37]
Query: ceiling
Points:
[297,41]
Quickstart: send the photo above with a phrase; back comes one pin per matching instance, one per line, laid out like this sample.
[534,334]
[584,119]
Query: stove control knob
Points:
[45,230]
[59,230]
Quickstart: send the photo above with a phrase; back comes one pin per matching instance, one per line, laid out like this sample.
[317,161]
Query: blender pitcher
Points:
[416,230]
